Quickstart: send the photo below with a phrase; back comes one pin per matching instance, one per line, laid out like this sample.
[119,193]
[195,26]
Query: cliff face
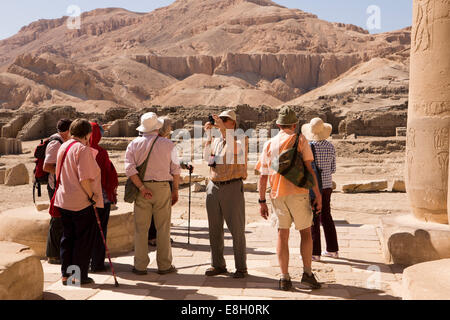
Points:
[301,71]
[277,51]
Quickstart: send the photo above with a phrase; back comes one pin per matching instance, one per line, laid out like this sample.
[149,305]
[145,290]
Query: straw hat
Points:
[150,122]
[317,130]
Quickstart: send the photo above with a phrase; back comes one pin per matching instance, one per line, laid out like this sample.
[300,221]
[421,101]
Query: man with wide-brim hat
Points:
[317,131]
[156,196]
[227,158]
[290,203]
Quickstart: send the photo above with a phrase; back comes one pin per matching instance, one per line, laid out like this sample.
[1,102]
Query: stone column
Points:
[429,111]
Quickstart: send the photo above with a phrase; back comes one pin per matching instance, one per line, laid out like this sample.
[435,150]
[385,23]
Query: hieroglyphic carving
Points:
[441,143]
[442,10]
[410,144]
[422,35]
[433,108]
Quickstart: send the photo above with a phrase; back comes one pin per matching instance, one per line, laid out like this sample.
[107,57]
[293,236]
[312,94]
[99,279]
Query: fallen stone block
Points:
[399,186]
[21,273]
[198,187]
[42,206]
[122,181]
[184,178]
[250,186]
[365,186]
[427,281]
[17,175]
[334,186]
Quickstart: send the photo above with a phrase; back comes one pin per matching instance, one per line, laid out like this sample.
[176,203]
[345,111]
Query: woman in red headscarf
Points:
[110,183]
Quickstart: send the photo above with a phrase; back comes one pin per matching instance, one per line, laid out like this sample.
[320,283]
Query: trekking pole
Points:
[189,215]
[106,247]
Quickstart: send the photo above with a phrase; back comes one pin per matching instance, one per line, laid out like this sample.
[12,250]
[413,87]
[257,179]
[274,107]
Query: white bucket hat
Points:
[229,114]
[317,130]
[150,122]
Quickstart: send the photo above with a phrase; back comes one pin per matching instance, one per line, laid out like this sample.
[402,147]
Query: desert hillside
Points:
[193,52]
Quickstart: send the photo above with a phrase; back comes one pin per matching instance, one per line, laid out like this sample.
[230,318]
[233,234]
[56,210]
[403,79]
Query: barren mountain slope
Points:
[134,59]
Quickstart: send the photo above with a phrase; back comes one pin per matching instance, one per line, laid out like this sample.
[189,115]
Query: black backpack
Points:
[40,176]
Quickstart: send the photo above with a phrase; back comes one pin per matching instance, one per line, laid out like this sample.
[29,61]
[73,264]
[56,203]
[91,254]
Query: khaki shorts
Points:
[293,208]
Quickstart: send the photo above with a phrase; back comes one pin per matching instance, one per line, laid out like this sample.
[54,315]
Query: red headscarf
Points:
[110,180]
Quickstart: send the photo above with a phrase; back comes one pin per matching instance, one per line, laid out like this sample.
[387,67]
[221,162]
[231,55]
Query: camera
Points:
[211,120]
[212,161]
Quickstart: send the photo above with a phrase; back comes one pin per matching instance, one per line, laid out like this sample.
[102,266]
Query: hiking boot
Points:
[170,270]
[330,254]
[311,281]
[139,272]
[99,269]
[87,281]
[285,284]
[240,274]
[211,272]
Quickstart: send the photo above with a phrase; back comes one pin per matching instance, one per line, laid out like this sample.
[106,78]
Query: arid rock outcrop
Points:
[279,53]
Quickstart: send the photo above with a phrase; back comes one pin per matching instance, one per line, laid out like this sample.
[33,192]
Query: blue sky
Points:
[394,14]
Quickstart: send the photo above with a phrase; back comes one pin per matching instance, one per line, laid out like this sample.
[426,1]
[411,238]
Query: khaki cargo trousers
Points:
[159,206]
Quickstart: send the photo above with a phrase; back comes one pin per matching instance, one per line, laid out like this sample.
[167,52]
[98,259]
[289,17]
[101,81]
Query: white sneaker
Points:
[330,254]
[316,258]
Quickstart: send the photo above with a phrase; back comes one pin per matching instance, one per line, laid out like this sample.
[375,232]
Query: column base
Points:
[407,240]
[427,281]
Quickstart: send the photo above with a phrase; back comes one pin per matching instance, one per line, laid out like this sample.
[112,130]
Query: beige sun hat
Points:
[317,130]
[150,122]
[229,114]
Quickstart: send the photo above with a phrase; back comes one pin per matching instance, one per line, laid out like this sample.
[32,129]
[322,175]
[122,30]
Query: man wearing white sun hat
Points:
[317,132]
[155,197]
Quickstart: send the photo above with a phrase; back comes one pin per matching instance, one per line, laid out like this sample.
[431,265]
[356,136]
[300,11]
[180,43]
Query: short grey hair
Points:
[166,129]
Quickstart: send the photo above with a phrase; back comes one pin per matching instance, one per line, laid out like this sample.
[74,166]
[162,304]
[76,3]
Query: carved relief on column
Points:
[422,31]
[427,149]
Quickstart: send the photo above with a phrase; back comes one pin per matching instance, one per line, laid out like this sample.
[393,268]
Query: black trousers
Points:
[98,248]
[79,230]
[55,231]
[329,228]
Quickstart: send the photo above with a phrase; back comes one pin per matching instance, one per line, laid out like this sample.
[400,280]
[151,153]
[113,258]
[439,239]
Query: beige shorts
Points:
[293,208]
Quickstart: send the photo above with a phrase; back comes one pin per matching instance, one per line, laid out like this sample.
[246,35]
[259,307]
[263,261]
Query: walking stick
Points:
[189,215]
[106,247]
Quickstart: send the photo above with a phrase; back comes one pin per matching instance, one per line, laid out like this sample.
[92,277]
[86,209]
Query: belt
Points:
[153,181]
[220,183]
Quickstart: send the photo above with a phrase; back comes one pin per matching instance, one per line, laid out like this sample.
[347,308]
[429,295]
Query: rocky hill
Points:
[193,52]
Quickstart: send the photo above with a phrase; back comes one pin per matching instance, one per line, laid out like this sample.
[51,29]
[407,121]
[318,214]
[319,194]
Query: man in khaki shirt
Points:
[227,158]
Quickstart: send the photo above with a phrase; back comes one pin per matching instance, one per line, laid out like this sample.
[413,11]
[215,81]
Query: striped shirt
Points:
[326,161]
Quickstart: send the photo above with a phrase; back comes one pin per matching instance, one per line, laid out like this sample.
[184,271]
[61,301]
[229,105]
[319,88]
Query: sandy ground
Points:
[346,208]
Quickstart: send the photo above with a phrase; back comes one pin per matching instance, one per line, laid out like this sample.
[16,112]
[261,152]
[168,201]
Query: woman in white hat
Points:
[317,132]
[156,197]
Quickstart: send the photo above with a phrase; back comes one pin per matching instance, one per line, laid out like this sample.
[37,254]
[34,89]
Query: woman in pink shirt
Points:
[78,192]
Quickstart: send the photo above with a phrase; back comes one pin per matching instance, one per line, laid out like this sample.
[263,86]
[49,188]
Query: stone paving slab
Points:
[359,273]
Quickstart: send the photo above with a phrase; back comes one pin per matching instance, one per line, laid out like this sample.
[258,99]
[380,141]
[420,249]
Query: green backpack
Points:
[291,166]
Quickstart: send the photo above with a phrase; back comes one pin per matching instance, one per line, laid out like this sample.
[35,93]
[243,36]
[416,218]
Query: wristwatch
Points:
[262,201]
